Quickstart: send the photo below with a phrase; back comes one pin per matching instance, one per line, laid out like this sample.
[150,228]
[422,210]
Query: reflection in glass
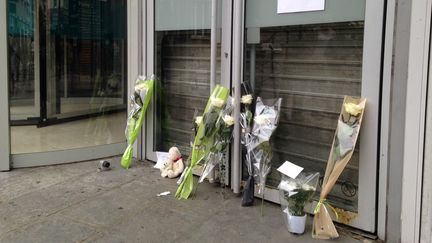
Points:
[182,63]
[67,73]
[21,45]
[311,67]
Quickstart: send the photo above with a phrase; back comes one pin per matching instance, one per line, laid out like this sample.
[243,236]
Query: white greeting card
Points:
[290,169]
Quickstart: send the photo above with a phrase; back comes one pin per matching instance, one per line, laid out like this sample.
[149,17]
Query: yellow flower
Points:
[353,109]
[217,102]
[247,99]
[229,120]
[198,120]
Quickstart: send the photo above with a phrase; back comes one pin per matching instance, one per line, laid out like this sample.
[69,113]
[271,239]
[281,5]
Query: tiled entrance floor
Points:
[74,203]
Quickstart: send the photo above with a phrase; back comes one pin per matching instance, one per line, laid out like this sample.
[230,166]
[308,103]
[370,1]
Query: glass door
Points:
[67,79]
[23,57]
[311,60]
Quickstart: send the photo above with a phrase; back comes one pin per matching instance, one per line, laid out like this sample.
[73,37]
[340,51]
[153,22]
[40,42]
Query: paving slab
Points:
[74,203]
[54,229]
[104,210]
[44,202]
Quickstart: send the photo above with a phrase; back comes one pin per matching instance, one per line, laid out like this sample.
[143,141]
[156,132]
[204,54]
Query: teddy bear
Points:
[174,165]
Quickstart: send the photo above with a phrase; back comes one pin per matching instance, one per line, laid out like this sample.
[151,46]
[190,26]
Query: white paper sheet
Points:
[290,169]
[161,158]
[295,6]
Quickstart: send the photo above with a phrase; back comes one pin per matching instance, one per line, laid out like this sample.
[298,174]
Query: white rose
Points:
[247,99]
[308,188]
[141,86]
[198,120]
[229,120]
[216,102]
[261,120]
[353,109]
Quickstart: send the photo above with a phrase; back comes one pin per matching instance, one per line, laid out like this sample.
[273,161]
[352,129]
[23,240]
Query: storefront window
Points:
[182,63]
[310,60]
[67,73]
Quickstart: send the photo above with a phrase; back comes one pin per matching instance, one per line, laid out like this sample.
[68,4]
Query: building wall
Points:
[426,219]
[4,109]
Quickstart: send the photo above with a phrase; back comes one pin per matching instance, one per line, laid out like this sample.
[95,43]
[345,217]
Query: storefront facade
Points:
[71,78]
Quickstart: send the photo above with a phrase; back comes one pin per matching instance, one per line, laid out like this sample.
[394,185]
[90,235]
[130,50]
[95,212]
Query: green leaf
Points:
[134,126]
[202,144]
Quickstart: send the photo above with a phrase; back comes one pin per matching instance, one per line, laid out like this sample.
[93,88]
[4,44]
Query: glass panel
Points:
[21,43]
[70,58]
[311,60]
[182,63]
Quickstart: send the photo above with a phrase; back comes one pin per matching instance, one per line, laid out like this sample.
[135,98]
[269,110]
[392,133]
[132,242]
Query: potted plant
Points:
[294,195]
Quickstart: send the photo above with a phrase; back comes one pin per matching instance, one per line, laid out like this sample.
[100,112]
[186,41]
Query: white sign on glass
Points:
[295,6]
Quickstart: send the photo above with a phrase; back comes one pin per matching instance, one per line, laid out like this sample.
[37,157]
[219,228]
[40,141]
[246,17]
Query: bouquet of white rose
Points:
[259,152]
[266,121]
[246,118]
[204,138]
[223,134]
[344,143]
[140,99]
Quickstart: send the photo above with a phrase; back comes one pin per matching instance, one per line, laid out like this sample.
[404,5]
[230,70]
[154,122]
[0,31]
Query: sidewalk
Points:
[74,203]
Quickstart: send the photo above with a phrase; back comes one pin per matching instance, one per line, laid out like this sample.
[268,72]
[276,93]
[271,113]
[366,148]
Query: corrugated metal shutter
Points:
[184,69]
[311,67]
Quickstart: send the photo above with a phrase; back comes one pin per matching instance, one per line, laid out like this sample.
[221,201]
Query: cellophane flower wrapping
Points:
[204,139]
[139,101]
[246,119]
[222,138]
[295,194]
[344,142]
[266,120]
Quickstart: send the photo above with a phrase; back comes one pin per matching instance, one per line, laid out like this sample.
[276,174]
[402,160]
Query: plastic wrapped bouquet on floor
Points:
[257,143]
[344,143]
[222,138]
[204,139]
[140,99]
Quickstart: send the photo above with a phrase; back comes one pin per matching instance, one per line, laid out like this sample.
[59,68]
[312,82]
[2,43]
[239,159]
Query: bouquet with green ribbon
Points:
[204,139]
[223,135]
[140,99]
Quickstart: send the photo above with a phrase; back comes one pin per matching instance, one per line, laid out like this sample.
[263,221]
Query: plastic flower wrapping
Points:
[204,138]
[266,121]
[246,119]
[294,195]
[344,142]
[222,138]
[139,101]
[258,148]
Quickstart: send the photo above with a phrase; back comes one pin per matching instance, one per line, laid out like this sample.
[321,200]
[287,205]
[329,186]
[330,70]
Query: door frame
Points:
[370,140]
[4,91]
[232,44]
[416,156]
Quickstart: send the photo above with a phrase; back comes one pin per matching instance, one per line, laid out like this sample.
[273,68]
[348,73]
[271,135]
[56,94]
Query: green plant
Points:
[298,199]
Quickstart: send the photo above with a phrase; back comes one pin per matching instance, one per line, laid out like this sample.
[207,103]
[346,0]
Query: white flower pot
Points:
[296,224]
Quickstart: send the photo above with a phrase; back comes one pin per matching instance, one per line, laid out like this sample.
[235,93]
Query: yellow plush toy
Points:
[174,166]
